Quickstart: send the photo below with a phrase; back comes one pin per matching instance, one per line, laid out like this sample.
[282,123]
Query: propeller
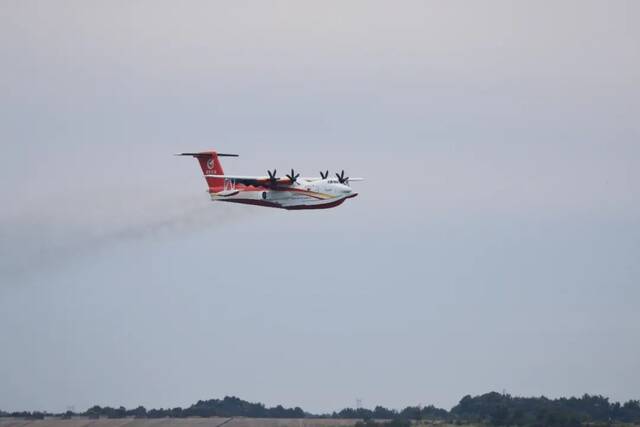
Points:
[272,176]
[293,177]
[324,175]
[341,178]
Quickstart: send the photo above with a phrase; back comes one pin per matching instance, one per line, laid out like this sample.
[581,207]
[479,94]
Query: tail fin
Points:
[210,165]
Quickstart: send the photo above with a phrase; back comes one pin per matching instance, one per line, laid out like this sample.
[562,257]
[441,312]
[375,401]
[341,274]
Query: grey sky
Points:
[494,245]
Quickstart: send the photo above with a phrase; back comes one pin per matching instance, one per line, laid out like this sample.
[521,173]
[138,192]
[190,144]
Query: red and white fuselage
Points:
[290,192]
[303,194]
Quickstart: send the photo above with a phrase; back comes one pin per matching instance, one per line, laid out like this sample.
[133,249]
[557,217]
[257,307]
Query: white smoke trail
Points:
[45,235]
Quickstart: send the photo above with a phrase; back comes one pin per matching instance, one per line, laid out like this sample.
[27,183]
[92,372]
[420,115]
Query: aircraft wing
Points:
[265,181]
[319,178]
[252,180]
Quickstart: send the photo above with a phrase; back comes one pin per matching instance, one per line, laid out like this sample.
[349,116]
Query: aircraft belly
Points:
[282,199]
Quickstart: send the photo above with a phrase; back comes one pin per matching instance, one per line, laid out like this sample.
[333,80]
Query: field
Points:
[177,422]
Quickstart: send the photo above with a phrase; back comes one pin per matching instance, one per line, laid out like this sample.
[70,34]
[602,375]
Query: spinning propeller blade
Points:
[272,176]
[293,177]
[341,178]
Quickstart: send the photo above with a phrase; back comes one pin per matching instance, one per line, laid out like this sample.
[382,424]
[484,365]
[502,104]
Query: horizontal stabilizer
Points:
[206,154]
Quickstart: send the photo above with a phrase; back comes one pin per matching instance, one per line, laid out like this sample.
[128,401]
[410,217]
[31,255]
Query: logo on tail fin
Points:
[210,163]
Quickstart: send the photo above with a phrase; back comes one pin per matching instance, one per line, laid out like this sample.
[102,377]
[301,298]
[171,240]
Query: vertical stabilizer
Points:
[210,165]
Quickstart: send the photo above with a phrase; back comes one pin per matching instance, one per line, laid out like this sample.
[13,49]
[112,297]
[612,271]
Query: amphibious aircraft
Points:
[287,192]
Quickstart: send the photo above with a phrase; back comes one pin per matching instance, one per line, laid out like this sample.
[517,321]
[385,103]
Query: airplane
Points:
[291,192]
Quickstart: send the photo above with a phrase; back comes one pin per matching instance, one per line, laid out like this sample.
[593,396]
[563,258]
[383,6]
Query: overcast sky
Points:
[495,244]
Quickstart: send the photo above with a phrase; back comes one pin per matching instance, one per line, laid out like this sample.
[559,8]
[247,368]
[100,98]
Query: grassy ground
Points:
[178,422]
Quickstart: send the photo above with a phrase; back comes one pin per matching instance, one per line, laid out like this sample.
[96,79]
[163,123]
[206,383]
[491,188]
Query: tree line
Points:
[228,407]
[506,410]
[497,409]
[381,413]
